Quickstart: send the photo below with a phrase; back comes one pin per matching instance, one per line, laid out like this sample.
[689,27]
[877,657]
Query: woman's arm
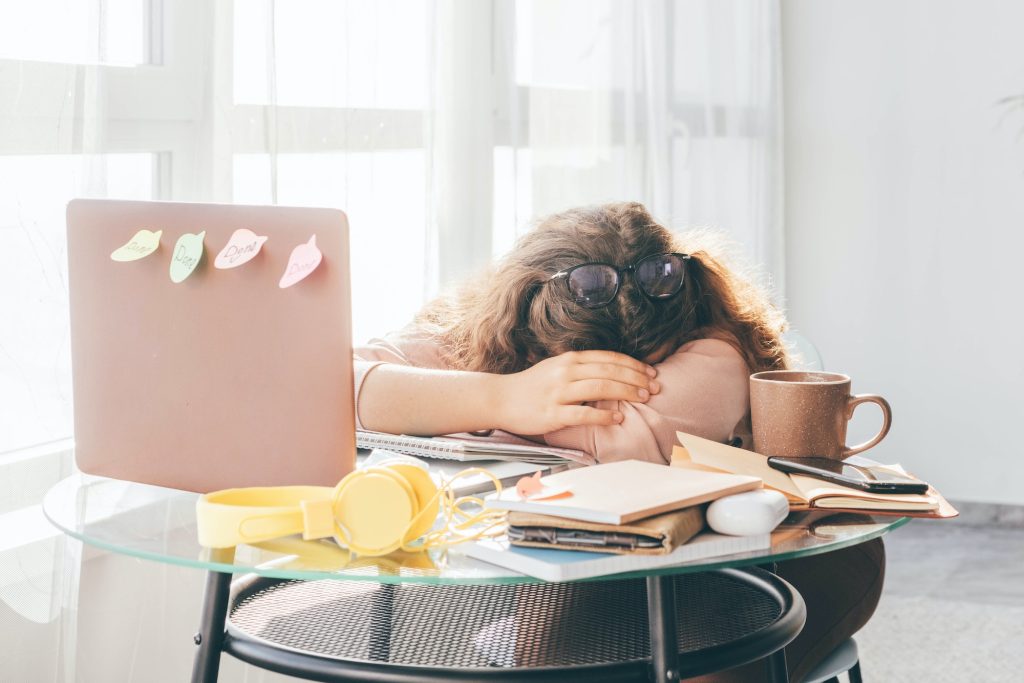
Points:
[394,396]
[403,399]
[704,391]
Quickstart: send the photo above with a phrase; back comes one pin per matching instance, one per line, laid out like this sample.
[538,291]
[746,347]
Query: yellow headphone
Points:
[372,511]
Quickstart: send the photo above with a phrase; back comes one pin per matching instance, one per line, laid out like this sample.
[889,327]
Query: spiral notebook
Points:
[470,448]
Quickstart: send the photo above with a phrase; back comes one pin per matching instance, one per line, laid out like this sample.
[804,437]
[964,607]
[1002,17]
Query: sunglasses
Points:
[593,285]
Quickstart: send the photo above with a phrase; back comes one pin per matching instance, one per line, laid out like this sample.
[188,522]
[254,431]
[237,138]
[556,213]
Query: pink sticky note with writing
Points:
[241,248]
[303,261]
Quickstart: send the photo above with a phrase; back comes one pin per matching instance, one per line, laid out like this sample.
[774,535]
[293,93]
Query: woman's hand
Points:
[549,395]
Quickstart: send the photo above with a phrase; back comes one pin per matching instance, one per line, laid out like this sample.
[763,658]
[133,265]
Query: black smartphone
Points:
[873,479]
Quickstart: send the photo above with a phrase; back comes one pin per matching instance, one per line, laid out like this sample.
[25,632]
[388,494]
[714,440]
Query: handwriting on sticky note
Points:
[142,244]
[241,248]
[186,255]
[303,261]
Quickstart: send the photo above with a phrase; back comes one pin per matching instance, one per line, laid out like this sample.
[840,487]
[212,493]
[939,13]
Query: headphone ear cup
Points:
[373,508]
[426,495]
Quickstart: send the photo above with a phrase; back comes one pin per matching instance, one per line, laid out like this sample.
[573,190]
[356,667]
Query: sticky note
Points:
[187,253]
[241,248]
[533,488]
[303,261]
[142,244]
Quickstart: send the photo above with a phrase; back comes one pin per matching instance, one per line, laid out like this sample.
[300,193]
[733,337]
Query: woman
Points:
[602,331]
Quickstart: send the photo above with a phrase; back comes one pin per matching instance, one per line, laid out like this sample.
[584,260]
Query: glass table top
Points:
[159,524]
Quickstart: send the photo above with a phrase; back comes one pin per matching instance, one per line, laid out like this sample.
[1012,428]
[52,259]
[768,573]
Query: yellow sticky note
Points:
[241,248]
[187,253]
[303,261]
[142,244]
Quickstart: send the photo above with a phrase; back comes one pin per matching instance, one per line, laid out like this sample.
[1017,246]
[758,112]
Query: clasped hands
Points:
[552,394]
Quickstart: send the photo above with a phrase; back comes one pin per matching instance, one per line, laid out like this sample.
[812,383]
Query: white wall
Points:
[905,223]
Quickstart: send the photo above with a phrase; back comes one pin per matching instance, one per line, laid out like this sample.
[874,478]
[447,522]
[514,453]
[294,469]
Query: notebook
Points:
[468,448]
[223,378]
[620,492]
[803,492]
[508,472]
[571,565]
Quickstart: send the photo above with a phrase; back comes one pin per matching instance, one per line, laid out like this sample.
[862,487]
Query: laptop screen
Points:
[211,344]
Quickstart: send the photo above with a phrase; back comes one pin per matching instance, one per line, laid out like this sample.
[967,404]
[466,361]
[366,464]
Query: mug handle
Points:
[855,401]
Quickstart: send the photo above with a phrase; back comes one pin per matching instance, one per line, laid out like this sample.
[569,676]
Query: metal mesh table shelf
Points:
[556,631]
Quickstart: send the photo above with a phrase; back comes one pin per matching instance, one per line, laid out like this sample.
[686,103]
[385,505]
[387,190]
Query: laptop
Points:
[200,377]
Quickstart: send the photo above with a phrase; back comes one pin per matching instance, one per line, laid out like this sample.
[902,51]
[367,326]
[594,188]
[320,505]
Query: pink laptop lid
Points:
[225,378]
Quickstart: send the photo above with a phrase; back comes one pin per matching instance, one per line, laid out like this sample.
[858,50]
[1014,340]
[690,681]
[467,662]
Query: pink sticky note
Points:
[527,486]
[303,261]
[241,248]
[533,488]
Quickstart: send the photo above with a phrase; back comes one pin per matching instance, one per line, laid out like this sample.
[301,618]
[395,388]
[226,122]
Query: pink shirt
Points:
[704,391]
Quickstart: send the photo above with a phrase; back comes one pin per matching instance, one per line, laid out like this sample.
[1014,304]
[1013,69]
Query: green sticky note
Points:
[142,244]
[187,253]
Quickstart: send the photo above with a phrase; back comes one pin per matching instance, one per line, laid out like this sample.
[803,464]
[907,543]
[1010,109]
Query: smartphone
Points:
[873,479]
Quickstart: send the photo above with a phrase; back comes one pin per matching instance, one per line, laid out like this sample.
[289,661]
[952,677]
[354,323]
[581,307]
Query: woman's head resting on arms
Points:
[515,314]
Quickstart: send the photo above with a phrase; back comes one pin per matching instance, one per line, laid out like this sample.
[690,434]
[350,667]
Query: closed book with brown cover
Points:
[663,533]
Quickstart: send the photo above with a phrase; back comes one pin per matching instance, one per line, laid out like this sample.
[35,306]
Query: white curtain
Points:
[442,128]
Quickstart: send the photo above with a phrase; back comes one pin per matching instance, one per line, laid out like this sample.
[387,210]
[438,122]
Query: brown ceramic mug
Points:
[800,414]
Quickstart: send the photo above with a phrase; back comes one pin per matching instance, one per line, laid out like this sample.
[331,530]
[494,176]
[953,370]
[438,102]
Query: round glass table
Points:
[315,610]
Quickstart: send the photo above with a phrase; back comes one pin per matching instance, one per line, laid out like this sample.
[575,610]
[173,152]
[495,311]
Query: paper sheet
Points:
[723,458]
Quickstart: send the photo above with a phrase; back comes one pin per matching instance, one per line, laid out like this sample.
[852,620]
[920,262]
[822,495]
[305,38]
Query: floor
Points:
[953,606]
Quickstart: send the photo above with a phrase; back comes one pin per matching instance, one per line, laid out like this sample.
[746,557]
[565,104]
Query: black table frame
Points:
[664,665]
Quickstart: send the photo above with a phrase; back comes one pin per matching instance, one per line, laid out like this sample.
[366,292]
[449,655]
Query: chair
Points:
[843,659]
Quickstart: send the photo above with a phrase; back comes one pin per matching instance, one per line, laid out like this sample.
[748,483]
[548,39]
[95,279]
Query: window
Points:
[50,153]
[312,102]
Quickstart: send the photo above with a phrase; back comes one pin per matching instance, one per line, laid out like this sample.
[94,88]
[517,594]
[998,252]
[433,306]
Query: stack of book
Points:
[611,518]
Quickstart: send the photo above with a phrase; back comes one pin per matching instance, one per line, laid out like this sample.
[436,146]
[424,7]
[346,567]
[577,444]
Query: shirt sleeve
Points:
[397,348]
[704,391]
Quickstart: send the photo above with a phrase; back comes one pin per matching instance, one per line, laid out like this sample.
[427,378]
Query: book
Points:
[655,535]
[697,454]
[571,565]
[469,448]
[623,491]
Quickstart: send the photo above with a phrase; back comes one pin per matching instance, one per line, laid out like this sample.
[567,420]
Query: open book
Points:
[802,491]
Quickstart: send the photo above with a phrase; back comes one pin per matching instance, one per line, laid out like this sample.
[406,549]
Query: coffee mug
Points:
[801,414]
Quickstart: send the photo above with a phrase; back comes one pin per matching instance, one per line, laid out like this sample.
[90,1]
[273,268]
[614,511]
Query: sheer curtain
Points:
[442,128]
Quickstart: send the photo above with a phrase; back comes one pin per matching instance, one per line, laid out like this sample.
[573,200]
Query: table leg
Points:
[661,615]
[210,638]
[778,670]
[380,622]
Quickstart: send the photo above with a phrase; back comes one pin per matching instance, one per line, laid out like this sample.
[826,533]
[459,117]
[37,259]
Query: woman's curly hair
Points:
[513,315]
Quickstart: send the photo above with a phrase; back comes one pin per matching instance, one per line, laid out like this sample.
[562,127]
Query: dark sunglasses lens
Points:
[593,285]
[660,276]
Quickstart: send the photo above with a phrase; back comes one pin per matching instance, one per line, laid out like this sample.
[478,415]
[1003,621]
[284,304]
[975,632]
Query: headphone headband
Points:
[234,516]
[372,511]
